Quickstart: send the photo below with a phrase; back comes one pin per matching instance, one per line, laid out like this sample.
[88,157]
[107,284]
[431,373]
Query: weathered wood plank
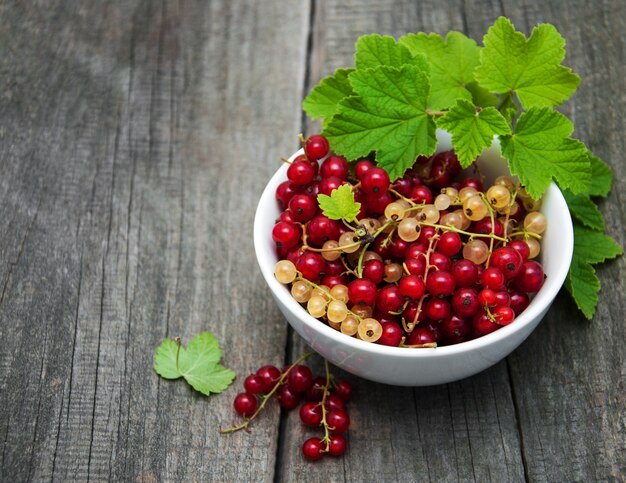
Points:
[570,377]
[464,431]
[136,140]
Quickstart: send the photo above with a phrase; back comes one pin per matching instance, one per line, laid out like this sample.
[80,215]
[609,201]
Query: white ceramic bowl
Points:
[427,366]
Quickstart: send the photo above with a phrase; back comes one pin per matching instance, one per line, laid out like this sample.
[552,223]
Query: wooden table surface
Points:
[136,138]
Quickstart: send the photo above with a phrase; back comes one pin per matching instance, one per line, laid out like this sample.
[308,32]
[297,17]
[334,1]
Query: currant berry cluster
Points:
[323,403]
[430,259]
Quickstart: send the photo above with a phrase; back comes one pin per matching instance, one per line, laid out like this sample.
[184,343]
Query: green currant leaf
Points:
[590,247]
[198,363]
[472,131]
[322,101]
[481,96]
[165,360]
[584,210]
[452,61]
[532,68]
[583,285]
[340,204]
[601,177]
[388,116]
[593,247]
[540,149]
[376,50]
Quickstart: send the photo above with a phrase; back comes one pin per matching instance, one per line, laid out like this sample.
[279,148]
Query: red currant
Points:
[245,404]
[338,421]
[286,235]
[316,147]
[336,166]
[343,389]
[411,287]
[465,272]
[420,336]
[321,229]
[530,278]
[311,414]
[375,182]
[337,445]
[254,384]
[362,291]
[389,299]
[300,379]
[392,334]
[301,172]
[503,315]
[465,302]
[492,278]
[437,309]
[440,283]
[508,260]
[313,449]
[522,247]
[449,244]
[374,270]
[311,265]
[302,207]
[287,399]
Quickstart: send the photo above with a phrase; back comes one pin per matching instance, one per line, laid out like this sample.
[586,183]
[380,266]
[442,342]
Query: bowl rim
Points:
[539,303]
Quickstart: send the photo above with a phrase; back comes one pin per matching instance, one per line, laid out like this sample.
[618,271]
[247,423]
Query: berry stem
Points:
[463,232]
[493,227]
[326,438]
[326,292]
[431,246]
[267,396]
[525,234]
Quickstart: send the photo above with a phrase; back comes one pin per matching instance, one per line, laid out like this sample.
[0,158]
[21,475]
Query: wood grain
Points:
[136,138]
[136,141]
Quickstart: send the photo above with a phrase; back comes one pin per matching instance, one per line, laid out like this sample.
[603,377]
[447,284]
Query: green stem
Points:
[326,438]
[178,343]
[267,396]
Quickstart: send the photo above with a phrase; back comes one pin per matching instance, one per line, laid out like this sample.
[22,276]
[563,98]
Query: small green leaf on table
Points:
[198,364]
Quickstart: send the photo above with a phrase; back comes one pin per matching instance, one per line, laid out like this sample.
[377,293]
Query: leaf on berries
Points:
[584,210]
[583,285]
[530,67]
[481,96]
[322,101]
[388,116]
[590,247]
[601,177]
[452,61]
[340,204]
[472,131]
[375,50]
[198,364]
[540,149]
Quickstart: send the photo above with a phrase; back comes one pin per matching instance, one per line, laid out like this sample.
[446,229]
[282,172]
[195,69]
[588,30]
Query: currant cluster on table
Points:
[429,260]
[323,404]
